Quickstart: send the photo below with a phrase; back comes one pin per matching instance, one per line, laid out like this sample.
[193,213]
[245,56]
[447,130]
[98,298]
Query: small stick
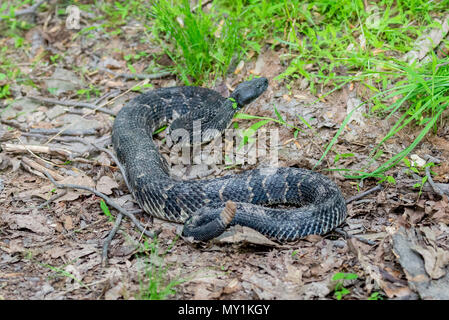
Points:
[93,111]
[15,124]
[122,170]
[364,194]
[17,148]
[139,76]
[105,198]
[114,230]
[107,95]
[435,188]
[41,168]
[30,10]
[43,136]
[53,198]
[71,103]
[112,204]
[107,241]
[68,132]
[346,235]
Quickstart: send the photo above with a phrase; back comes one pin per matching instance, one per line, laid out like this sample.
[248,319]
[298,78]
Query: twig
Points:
[36,166]
[84,132]
[30,10]
[435,188]
[43,136]
[347,235]
[53,198]
[93,111]
[364,194]
[113,93]
[119,165]
[139,76]
[110,203]
[19,148]
[105,198]
[15,124]
[107,241]
[203,4]
[71,103]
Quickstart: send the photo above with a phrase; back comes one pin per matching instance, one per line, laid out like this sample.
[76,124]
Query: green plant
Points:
[87,92]
[63,273]
[204,44]
[421,93]
[153,282]
[376,296]
[104,207]
[248,133]
[340,290]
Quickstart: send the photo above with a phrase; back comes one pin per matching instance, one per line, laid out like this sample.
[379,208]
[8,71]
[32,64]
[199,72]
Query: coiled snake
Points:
[207,207]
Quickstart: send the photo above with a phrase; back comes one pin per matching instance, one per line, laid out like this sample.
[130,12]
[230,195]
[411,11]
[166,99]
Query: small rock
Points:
[62,81]
[55,112]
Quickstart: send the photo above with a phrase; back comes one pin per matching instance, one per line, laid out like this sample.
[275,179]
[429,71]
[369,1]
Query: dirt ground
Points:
[397,239]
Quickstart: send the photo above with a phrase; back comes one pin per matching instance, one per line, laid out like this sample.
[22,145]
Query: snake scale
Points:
[208,206]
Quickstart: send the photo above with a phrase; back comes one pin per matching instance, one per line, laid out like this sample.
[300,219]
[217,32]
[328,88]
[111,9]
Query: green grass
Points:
[154,284]
[420,95]
[205,44]
[340,291]
[328,42]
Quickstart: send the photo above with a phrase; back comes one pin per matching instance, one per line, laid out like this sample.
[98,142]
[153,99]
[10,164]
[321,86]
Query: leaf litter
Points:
[55,252]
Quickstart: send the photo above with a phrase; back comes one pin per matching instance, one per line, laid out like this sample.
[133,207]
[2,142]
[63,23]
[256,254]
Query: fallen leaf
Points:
[241,234]
[413,257]
[68,223]
[34,222]
[105,185]
[115,292]
[233,286]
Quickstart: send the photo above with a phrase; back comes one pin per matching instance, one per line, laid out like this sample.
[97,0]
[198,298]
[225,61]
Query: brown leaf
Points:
[419,260]
[106,184]
[115,292]
[240,234]
[35,223]
[233,286]
[68,223]
[415,215]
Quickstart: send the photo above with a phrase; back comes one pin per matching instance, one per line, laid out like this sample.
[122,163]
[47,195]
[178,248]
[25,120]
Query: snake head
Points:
[247,91]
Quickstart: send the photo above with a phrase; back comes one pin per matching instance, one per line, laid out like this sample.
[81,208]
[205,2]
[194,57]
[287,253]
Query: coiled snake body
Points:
[208,206]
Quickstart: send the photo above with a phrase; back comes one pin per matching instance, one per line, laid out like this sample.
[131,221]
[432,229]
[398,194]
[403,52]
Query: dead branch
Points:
[68,132]
[22,148]
[30,10]
[53,198]
[108,202]
[41,168]
[139,76]
[71,103]
[118,221]
[364,194]
[107,241]
[436,188]
[15,124]
[347,235]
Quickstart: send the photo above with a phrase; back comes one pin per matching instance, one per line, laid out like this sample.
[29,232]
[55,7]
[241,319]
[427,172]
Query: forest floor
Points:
[397,238]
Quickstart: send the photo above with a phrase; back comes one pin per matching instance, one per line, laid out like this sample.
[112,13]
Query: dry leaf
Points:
[106,184]
[241,234]
[35,223]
